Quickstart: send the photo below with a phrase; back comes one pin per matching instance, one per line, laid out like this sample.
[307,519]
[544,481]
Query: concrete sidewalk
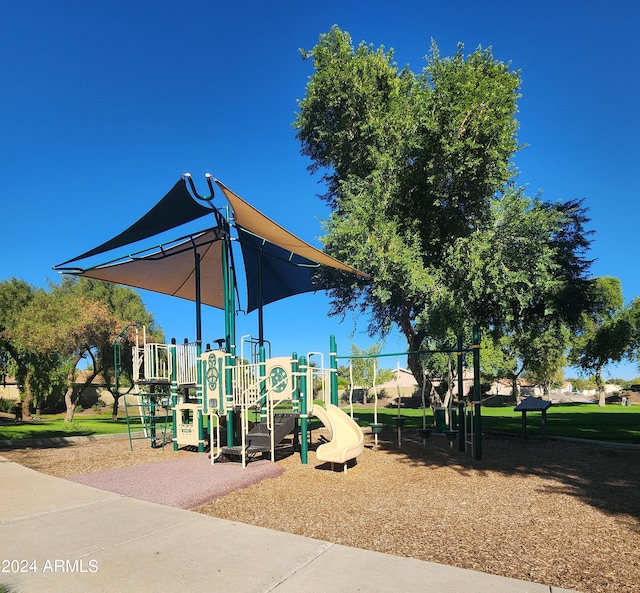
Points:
[59,536]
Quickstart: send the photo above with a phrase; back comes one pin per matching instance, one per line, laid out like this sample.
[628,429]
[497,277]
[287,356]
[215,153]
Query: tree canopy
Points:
[421,183]
[28,367]
[610,331]
[51,331]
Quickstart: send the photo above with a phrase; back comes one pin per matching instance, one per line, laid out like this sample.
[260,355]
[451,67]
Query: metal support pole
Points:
[198,300]
[301,366]
[333,367]
[461,403]
[202,406]
[462,421]
[477,406]
[229,333]
[228,384]
[260,303]
[152,418]
[199,390]
[262,374]
[174,392]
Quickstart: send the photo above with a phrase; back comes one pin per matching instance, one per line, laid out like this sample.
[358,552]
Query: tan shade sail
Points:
[248,217]
[172,271]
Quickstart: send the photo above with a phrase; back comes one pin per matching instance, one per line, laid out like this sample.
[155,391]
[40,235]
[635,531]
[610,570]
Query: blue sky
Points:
[104,104]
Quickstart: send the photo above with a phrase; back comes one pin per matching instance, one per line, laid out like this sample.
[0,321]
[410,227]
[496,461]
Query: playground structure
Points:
[242,408]
[259,403]
[246,405]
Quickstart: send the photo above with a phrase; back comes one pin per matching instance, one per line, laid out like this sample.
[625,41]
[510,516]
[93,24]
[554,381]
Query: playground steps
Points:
[151,414]
[259,437]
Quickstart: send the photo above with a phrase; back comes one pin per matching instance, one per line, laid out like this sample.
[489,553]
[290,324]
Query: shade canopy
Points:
[277,263]
[172,271]
[273,273]
[175,209]
[249,218]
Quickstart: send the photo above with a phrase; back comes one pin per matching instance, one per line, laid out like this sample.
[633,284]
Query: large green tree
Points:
[21,361]
[524,274]
[420,181]
[62,322]
[609,333]
[360,371]
[78,320]
[129,312]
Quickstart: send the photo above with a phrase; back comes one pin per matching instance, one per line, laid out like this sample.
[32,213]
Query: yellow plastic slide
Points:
[347,439]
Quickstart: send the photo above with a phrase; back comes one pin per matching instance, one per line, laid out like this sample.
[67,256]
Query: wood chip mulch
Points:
[564,514]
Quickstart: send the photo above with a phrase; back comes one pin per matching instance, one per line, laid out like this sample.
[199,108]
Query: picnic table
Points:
[533,404]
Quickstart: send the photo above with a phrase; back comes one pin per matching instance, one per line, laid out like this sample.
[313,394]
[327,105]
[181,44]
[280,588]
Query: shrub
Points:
[97,407]
[7,405]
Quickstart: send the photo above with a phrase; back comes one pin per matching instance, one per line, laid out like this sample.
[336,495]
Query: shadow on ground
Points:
[604,477]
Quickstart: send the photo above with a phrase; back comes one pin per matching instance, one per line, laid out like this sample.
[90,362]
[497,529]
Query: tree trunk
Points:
[365,394]
[429,390]
[514,389]
[28,395]
[601,392]
[116,403]
[71,395]
[70,401]
[514,384]
[414,342]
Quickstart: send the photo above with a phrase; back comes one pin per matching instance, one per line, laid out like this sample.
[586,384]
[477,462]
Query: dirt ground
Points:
[564,514]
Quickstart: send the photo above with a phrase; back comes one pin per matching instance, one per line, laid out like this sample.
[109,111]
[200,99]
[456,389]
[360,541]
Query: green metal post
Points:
[199,389]
[461,403]
[295,402]
[230,334]
[229,291]
[202,380]
[260,303]
[304,426]
[117,363]
[295,399]
[477,406]
[174,392]
[200,400]
[333,369]
[198,288]
[262,373]
[228,382]
[152,418]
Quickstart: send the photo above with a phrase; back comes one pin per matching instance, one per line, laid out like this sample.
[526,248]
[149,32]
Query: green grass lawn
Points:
[53,426]
[584,421]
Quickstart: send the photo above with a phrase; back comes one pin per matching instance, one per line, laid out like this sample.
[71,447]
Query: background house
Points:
[9,389]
